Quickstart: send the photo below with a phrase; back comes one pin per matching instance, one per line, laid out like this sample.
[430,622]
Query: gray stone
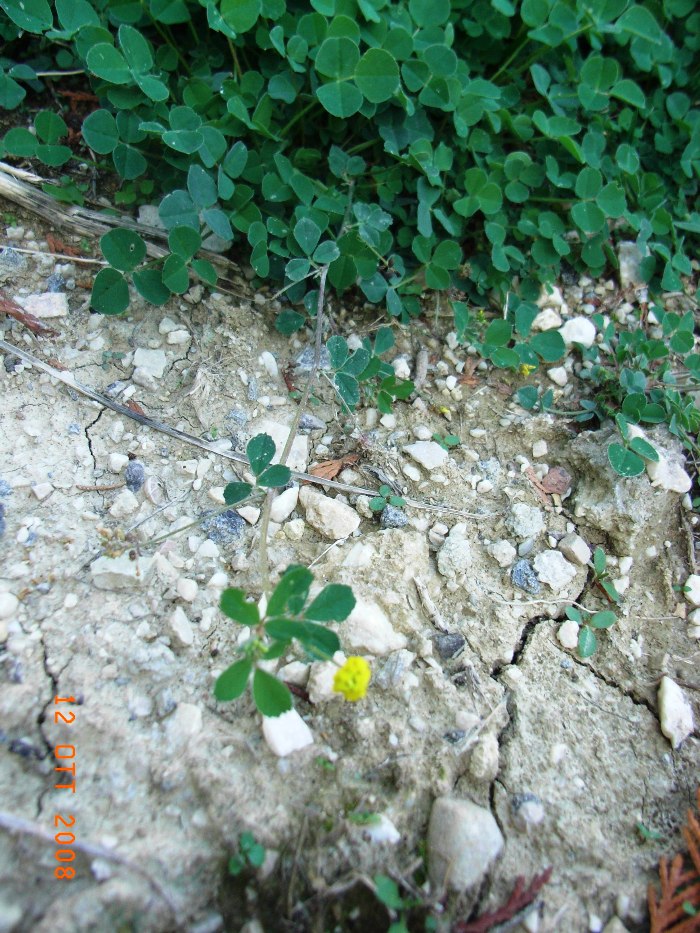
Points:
[449,644]
[55,283]
[525,521]
[525,577]
[309,422]
[225,527]
[134,475]
[330,517]
[305,360]
[463,841]
[393,517]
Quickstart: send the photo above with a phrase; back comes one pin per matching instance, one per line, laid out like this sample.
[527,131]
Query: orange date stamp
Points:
[65,773]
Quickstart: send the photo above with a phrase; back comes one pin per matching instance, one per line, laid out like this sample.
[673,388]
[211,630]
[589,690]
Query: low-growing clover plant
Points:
[260,451]
[363,374]
[447,441]
[385,497]
[477,145]
[288,616]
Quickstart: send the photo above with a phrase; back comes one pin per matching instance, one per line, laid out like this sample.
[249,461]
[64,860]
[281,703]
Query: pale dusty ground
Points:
[168,778]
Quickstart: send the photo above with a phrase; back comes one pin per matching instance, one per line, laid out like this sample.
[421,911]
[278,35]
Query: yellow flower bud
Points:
[526,369]
[353,679]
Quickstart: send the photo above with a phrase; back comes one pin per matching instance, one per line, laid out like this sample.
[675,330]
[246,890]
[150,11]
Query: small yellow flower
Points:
[353,679]
[526,369]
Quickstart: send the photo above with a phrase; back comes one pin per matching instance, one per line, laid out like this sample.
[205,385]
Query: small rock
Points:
[630,258]
[270,364]
[331,518]
[463,841]
[368,630]
[527,810]
[393,517]
[305,360]
[484,761]
[184,724]
[428,454]
[309,422]
[181,628]
[448,644]
[539,449]
[286,733]
[55,282]
[144,379]
[120,573]
[554,569]
[455,556]
[551,297]
[382,830]
[134,475]
[151,361]
[117,462]
[575,549]
[125,504]
[568,634]
[9,604]
[675,712]
[284,505]
[578,330]
[525,521]
[42,490]
[320,679]
[225,527]
[166,325]
[187,589]
[667,474]
[547,319]
[50,304]
[250,514]
[178,338]
[525,577]
[692,589]
[502,552]
[558,375]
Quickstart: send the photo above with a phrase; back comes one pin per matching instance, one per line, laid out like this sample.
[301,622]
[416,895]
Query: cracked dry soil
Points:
[167,779]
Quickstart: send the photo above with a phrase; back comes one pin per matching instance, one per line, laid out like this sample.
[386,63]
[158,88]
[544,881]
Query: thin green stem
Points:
[295,119]
[234,56]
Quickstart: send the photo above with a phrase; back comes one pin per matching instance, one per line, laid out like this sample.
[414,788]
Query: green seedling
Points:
[601,576]
[387,892]
[648,835]
[588,622]
[250,855]
[447,441]
[385,497]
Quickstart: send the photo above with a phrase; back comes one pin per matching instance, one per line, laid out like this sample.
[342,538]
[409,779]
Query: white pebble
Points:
[117,462]
[558,375]
[42,490]
[187,589]
[9,604]
[286,733]
[539,449]
[675,712]
[568,634]
[270,364]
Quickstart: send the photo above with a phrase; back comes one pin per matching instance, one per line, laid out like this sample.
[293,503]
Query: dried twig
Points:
[520,898]
[13,310]
[21,827]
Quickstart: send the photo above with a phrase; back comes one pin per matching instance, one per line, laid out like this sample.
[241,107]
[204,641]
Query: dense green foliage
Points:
[408,145]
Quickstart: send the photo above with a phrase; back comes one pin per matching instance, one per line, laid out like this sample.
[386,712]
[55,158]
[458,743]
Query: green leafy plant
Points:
[385,497]
[452,143]
[250,855]
[447,441]
[363,373]
[288,616]
[601,576]
[588,622]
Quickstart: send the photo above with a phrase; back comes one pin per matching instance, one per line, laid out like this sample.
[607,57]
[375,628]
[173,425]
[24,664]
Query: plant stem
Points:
[234,56]
[302,113]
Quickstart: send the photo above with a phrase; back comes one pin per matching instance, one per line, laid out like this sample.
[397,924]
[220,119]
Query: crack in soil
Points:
[89,439]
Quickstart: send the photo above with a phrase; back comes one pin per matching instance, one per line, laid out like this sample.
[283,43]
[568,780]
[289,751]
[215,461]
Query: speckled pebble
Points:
[134,475]
[224,527]
[448,644]
[393,517]
[525,577]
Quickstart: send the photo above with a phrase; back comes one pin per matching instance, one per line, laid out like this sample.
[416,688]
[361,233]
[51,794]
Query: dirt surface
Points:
[567,754]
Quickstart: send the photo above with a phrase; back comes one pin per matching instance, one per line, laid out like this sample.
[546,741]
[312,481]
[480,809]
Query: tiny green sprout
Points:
[648,835]
[363,818]
[387,892]
[446,441]
[601,575]
[690,910]
[587,622]
[250,855]
[385,497]
[213,432]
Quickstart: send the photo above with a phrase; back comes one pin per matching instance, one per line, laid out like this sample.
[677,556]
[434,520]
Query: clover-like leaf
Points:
[271,696]
[234,604]
[260,450]
[231,684]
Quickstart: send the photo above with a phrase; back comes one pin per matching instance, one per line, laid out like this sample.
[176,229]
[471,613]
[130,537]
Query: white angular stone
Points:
[187,589]
[539,449]
[667,474]
[568,634]
[558,375]
[455,556]
[9,604]
[286,733]
[551,297]
[383,830]
[578,330]
[368,630]
[463,841]
[50,304]
[428,454]
[547,319]
[184,724]
[117,462]
[485,759]
[330,517]
[502,552]
[525,521]
[321,675]
[575,549]
[675,712]
[270,364]
[178,338]
[42,490]
[249,513]
[554,569]
[284,504]
[630,259]
[125,504]
[181,628]
[120,573]
[167,324]
[692,587]
[151,361]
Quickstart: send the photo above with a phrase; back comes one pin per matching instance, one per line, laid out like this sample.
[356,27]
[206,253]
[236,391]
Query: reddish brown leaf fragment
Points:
[135,407]
[58,246]
[520,898]
[329,469]
[680,886]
